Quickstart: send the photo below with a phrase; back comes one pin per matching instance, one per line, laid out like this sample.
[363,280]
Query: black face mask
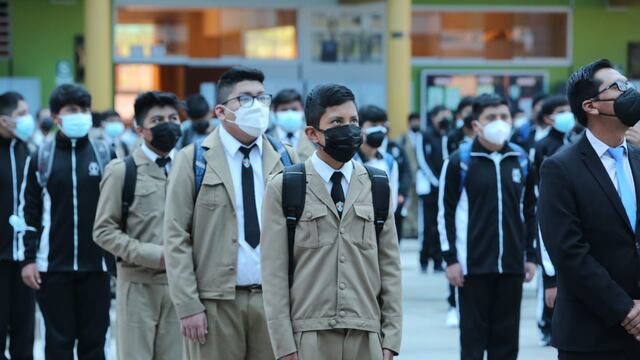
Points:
[165,136]
[415,129]
[375,139]
[445,124]
[46,124]
[200,126]
[627,107]
[342,142]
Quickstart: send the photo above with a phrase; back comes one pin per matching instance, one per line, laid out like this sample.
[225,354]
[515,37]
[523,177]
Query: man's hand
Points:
[194,327]
[550,296]
[387,354]
[400,200]
[455,275]
[633,135]
[163,265]
[529,271]
[293,356]
[31,276]
[632,322]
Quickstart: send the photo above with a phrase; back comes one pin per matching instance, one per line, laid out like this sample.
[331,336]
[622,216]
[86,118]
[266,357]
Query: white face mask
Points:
[76,125]
[253,120]
[497,132]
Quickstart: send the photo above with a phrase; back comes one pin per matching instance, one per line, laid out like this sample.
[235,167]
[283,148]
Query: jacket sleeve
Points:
[32,213]
[178,241]
[405,173]
[530,219]
[562,235]
[106,228]
[390,297]
[448,198]
[274,256]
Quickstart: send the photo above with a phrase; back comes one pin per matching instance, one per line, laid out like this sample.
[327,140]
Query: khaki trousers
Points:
[147,326]
[339,344]
[237,330]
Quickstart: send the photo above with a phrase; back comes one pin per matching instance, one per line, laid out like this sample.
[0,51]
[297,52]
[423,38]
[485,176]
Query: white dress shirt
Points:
[609,162]
[153,156]
[293,141]
[325,171]
[248,267]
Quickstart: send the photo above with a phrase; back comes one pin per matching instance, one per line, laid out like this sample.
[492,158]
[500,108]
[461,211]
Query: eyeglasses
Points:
[246,101]
[621,85]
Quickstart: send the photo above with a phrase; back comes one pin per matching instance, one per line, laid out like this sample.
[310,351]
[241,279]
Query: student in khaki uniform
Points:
[288,115]
[212,231]
[408,142]
[344,301]
[147,326]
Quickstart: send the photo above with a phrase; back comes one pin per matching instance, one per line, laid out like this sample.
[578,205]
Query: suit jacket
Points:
[343,278]
[201,240]
[592,245]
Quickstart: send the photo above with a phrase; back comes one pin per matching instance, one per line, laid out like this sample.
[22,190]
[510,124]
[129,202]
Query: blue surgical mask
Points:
[25,126]
[564,122]
[76,125]
[114,129]
[290,121]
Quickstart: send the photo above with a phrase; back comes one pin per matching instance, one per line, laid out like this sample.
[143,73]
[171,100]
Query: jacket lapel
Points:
[317,187]
[152,169]
[356,185]
[634,161]
[270,160]
[595,166]
[218,164]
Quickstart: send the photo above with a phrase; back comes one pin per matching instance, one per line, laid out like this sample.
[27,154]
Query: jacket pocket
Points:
[307,234]
[142,200]
[363,228]
[212,192]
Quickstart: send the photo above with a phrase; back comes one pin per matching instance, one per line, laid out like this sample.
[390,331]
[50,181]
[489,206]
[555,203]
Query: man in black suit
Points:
[588,218]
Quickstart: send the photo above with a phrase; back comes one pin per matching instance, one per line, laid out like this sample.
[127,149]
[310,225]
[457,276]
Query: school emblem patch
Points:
[516,176]
[94,169]
[246,163]
[340,206]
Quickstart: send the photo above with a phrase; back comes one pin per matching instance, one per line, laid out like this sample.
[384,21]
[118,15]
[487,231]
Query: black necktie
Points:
[251,224]
[336,191]
[162,162]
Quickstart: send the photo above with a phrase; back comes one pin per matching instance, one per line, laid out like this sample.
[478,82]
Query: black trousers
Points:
[428,229]
[17,313]
[75,306]
[544,314]
[399,220]
[490,316]
[451,299]
[612,355]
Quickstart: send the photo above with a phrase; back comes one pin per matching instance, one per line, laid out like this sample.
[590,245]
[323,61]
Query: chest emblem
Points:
[516,176]
[340,206]
[246,163]
[94,169]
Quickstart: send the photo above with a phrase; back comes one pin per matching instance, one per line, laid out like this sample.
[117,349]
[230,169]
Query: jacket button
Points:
[342,314]
[332,323]
[342,259]
[342,231]
[343,286]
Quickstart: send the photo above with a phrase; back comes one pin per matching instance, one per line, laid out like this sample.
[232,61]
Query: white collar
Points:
[152,155]
[232,145]
[600,147]
[325,171]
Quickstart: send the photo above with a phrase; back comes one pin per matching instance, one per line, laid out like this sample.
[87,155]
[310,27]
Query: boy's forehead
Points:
[500,109]
[247,87]
[162,111]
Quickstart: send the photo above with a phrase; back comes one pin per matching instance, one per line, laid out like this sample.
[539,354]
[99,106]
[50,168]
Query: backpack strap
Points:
[465,157]
[44,161]
[294,185]
[199,164]
[281,149]
[103,153]
[380,192]
[522,158]
[128,190]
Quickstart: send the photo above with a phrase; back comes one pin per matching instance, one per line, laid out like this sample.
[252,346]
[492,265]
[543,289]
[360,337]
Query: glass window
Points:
[489,35]
[206,33]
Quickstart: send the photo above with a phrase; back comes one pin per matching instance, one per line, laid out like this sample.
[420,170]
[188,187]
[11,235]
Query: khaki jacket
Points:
[305,147]
[343,278]
[201,235]
[140,247]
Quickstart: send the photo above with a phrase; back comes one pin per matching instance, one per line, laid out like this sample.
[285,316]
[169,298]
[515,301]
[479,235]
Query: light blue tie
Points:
[624,186]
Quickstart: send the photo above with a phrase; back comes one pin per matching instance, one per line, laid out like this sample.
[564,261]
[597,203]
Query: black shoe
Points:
[437,268]
[546,340]
[423,268]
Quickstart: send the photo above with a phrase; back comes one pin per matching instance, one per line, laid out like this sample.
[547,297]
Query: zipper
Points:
[74,179]
[14,186]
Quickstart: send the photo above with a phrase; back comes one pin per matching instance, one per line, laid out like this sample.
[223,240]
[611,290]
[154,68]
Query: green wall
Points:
[42,34]
[598,32]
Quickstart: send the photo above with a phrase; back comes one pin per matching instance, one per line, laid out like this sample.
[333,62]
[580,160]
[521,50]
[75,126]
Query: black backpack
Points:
[294,185]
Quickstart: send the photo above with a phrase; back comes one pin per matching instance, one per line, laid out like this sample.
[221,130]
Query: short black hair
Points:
[515,110]
[9,102]
[323,97]
[69,94]
[537,98]
[413,115]
[435,111]
[197,106]
[464,102]
[486,101]
[371,113]
[110,113]
[150,99]
[286,96]
[582,85]
[231,77]
[468,120]
[551,103]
